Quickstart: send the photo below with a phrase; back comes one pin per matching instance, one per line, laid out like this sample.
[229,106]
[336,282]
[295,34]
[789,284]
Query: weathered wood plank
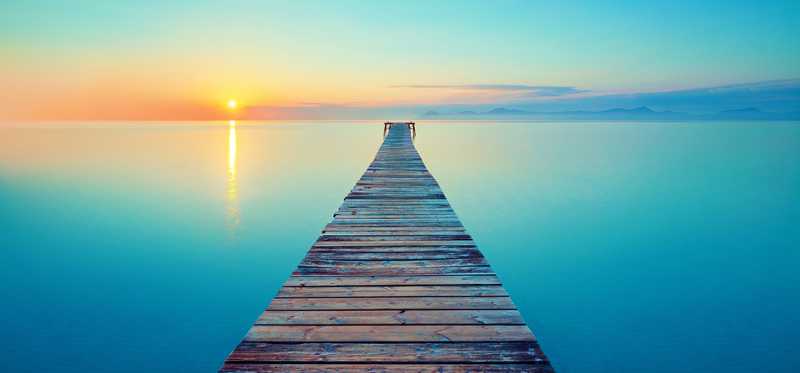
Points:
[392,238]
[394,248]
[392,271]
[393,291]
[412,255]
[391,280]
[346,265]
[396,242]
[344,227]
[353,228]
[428,218]
[386,368]
[344,217]
[400,317]
[489,352]
[415,303]
[379,236]
[389,333]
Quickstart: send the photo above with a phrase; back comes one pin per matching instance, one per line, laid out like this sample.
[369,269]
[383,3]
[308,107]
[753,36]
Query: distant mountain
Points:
[637,113]
[638,110]
[747,110]
[751,113]
[504,111]
[616,113]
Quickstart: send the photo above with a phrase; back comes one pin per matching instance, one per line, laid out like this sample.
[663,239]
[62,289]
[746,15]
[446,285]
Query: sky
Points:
[148,60]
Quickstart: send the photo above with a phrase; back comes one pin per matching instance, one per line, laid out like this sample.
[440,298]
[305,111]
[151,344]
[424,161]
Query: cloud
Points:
[774,95]
[528,90]
[768,96]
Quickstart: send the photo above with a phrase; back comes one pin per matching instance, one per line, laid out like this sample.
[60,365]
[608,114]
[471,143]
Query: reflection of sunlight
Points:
[232,199]
[232,147]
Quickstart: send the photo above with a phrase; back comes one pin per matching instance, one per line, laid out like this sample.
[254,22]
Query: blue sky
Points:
[186,57]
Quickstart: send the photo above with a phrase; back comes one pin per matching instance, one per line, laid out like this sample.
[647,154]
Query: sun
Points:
[232,104]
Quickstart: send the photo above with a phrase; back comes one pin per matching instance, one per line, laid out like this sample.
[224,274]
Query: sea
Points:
[628,246]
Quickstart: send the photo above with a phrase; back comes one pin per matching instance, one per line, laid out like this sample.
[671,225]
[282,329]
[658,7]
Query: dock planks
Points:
[393,284]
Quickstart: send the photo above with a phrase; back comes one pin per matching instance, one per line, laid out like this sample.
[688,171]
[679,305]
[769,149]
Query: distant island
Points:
[638,113]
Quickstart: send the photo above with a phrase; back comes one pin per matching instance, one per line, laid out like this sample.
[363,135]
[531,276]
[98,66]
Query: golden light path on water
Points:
[232,190]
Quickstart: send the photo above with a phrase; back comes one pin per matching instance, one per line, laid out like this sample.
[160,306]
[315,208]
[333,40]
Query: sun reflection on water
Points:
[232,191]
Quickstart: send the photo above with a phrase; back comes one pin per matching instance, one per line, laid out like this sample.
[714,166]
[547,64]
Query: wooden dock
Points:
[393,284]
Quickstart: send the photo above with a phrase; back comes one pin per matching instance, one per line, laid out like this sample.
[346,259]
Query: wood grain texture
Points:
[391,317]
[392,271]
[393,303]
[394,283]
[389,333]
[381,256]
[490,352]
[393,291]
[386,368]
[391,280]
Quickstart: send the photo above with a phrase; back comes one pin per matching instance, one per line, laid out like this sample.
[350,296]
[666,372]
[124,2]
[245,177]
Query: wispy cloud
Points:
[529,90]
[773,95]
[769,96]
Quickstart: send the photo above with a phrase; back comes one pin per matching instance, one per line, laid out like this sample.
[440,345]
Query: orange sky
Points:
[167,61]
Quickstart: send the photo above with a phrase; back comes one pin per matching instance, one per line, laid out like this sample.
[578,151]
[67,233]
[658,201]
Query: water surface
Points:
[629,247]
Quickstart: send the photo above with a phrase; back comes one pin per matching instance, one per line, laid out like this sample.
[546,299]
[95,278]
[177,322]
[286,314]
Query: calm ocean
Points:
[628,247]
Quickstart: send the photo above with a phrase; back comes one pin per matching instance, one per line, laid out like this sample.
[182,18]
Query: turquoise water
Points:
[628,247]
